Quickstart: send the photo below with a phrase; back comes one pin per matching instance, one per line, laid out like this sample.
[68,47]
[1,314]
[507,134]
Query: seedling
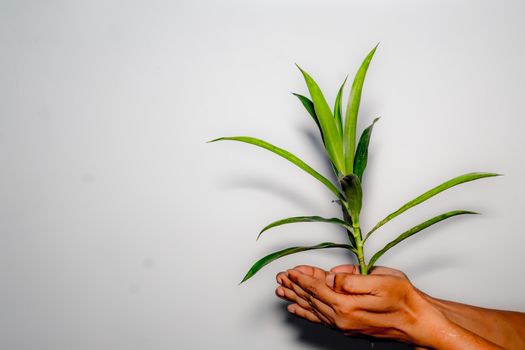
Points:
[348,163]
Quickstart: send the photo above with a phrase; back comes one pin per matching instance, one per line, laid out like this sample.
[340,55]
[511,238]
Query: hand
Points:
[384,304]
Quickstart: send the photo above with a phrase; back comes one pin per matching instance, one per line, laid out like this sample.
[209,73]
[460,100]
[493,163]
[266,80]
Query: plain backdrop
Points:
[121,228]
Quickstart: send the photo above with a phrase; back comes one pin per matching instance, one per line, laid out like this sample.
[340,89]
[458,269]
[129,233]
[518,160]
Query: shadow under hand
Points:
[323,338]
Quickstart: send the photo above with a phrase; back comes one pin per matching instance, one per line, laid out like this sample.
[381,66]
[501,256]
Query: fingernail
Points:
[330,280]
[280,292]
[279,280]
[291,309]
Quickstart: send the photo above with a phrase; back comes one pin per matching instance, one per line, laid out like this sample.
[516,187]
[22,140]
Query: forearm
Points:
[455,337]
[505,328]
[433,329]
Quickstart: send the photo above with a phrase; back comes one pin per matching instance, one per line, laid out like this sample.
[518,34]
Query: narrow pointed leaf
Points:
[338,110]
[415,230]
[354,195]
[295,219]
[431,193]
[352,110]
[361,154]
[332,139]
[309,106]
[279,254]
[287,155]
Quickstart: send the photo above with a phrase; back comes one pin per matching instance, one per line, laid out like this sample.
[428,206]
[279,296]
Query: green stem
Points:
[359,245]
[348,220]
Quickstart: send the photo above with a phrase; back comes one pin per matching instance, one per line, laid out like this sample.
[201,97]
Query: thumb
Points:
[345,268]
[347,283]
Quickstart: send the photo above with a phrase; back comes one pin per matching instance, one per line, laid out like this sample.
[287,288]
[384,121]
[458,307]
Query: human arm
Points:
[506,328]
[384,304]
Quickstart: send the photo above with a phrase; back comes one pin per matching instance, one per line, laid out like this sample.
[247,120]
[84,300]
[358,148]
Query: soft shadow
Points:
[315,140]
[268,186]
[435,262]
[324,338]
[430,264]
[280,189]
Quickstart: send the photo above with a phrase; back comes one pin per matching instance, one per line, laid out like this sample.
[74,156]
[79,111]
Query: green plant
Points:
[348,163]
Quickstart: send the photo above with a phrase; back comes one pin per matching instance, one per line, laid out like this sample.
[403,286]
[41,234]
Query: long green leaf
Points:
[361,154]
[415,230]
[279,254]
[295,219]
[309,106]
[337,109]
[332,139]
[431,193]
[352,110]
[287,155]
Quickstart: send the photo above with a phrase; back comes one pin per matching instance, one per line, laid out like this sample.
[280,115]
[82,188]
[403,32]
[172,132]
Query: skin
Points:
[385,304]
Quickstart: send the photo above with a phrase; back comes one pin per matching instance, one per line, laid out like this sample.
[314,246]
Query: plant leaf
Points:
[287,155]
[352,110]
[431,193]
[354,196]
[361,154]
[309,106]
[415,230]
[337,109]
[279,254]
[332,139]
[295,219]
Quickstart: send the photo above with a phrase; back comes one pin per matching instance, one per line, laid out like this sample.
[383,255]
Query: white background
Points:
[120,228]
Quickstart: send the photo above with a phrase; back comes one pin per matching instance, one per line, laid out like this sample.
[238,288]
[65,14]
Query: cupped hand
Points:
[383,304]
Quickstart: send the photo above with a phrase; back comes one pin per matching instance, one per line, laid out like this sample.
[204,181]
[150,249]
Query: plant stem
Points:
[359,245]
[348,220]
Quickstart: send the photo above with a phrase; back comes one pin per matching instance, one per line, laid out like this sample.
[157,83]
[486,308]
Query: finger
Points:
[286,282]
[354,284]
[376,270]
[371,293]
[312,271]
[313,303]
[314,288]
[293,291]
[290,295]
[296,294]
[299,311]
[381,270]
[308,314]
[345,268]
[308,301]
[279,277]
[281,292]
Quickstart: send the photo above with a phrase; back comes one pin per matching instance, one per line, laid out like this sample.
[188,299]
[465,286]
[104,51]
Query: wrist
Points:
[433,327]
[448,329]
